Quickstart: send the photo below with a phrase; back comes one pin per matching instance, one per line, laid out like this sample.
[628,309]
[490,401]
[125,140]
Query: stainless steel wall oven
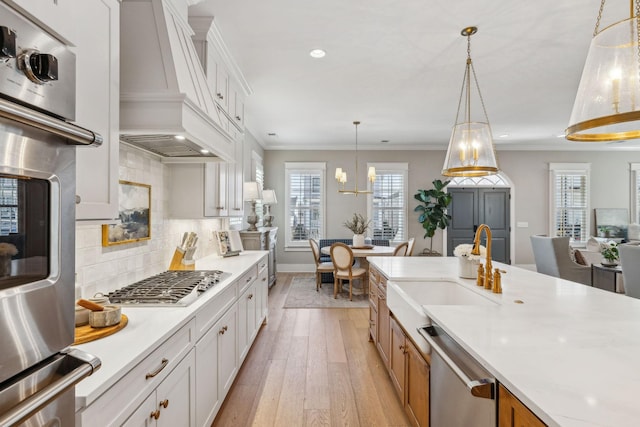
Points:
[38,370]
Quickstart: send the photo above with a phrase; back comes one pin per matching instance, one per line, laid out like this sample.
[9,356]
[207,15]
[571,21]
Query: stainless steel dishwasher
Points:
[462,393]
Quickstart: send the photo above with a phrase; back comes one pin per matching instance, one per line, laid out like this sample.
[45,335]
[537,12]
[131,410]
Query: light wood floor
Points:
[312,367]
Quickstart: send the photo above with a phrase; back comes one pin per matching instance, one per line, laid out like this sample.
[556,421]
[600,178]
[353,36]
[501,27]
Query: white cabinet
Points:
[216,364]
[246,318]
[144,380]
[236,107]
[215,189]
[54,15]
[173,402]
[97,104]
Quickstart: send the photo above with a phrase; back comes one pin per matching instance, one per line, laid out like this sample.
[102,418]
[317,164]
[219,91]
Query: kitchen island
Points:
[569,352]
[161,349]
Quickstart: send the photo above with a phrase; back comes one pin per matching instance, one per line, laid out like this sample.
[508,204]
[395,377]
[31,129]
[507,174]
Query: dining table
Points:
[361,253]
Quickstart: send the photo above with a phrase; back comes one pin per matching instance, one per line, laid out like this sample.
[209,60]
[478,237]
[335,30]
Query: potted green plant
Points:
[610,254]
[358,224]
[433,210]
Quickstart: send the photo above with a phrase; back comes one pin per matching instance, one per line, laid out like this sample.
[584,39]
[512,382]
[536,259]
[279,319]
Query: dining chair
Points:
[412,242]
[343,269]
[551,255]
[630,264]
[321,267]
[401,249]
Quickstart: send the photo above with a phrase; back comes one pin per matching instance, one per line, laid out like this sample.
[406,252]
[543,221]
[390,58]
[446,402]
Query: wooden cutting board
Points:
[86,333]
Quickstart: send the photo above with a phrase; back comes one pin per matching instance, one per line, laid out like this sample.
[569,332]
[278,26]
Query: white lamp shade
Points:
[269,197]
[607,105]
[251,191]
[470,151]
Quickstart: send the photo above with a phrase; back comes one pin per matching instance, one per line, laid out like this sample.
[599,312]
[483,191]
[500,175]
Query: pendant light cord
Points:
[466,84]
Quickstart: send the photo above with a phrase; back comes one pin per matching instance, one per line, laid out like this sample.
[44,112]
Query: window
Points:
[305,203]
[387,206]
[635,193]
[8,206]
[570,200]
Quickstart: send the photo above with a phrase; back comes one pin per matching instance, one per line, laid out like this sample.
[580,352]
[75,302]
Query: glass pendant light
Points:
[607,105]
[471,151]
[341,175]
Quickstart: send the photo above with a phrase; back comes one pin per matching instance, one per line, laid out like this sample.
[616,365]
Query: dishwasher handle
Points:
[481,387]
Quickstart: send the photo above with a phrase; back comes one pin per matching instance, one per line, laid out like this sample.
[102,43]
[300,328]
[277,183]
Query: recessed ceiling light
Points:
[503,135]
[203,151]
[180,137]
[317,53]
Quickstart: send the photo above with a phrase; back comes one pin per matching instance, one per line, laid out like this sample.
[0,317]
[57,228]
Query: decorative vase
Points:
[467,268]
[609,262]
[5,265]
[358,240]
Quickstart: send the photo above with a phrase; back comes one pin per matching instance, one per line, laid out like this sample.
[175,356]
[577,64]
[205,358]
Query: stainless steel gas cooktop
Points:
[171,288]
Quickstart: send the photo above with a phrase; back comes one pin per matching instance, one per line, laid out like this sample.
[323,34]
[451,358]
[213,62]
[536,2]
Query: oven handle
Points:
[27,116]
[35,402]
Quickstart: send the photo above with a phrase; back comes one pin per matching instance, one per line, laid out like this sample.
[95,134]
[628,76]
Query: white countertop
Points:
[569,352]
[149,327]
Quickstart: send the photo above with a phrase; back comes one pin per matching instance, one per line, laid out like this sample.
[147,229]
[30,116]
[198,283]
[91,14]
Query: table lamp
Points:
[268,199]
[252,193]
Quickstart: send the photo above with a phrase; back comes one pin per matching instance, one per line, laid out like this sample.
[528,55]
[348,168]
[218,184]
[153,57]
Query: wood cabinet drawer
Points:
[117,403]
[214,309]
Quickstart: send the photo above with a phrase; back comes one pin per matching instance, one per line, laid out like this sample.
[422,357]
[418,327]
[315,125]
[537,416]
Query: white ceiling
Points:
[397,66]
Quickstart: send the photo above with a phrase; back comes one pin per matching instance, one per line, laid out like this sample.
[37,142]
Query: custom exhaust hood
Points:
[166,106]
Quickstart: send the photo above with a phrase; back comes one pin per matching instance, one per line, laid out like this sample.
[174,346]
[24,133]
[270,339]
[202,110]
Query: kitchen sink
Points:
[405,300]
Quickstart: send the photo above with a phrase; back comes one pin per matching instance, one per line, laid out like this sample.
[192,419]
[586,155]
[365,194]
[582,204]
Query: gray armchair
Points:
[552,258]
[630,263]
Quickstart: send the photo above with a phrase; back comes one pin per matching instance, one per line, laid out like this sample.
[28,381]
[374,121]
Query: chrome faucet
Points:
[485,276]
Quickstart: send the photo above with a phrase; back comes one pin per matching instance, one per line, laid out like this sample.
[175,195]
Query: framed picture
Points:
[134,210]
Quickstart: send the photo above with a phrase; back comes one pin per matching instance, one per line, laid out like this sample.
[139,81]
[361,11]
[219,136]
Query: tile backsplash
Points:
[104,269]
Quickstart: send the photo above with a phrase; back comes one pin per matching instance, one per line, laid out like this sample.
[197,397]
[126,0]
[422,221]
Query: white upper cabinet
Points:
[97,106]
[53,15]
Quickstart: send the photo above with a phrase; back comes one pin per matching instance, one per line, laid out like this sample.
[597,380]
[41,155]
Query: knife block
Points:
[179,263]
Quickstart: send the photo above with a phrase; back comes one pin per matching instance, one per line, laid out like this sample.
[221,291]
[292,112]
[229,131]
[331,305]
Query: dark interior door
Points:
[471,207]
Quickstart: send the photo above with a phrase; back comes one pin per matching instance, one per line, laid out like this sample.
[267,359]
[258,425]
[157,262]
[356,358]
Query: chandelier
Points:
[607,105]
[471,151]
[341,176]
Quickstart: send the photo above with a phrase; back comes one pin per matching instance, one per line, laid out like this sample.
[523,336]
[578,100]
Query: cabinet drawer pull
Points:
[249,279]
[264,279]
[250,296]
[164,403]
[237,209]
[220,207]
[223,330]
[155,414]
[219,95]
[238,118]
[157,371]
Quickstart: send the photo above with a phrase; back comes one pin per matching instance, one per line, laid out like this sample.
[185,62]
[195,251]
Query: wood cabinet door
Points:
[384,334]
[417,385]
[397,359]
[512,412]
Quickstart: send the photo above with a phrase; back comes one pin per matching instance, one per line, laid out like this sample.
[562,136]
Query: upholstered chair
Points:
[401,249]
[321,267]
[343,269]
[412,242]
[630,263]
[552,258]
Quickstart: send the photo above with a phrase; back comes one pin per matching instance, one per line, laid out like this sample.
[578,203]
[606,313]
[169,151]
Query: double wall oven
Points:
[38,369]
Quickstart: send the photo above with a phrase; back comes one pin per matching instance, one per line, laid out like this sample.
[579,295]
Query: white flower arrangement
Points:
[464,251]
[8,249]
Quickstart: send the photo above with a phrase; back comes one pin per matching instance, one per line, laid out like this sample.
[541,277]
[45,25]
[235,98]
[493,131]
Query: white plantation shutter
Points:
[305,203]
[570,201]
[387,206]
[635,192]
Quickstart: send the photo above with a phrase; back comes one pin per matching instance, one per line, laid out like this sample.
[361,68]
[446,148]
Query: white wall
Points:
[528,170]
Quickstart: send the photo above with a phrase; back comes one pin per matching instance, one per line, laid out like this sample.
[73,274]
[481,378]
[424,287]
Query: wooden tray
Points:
[86,333]
[361,247]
